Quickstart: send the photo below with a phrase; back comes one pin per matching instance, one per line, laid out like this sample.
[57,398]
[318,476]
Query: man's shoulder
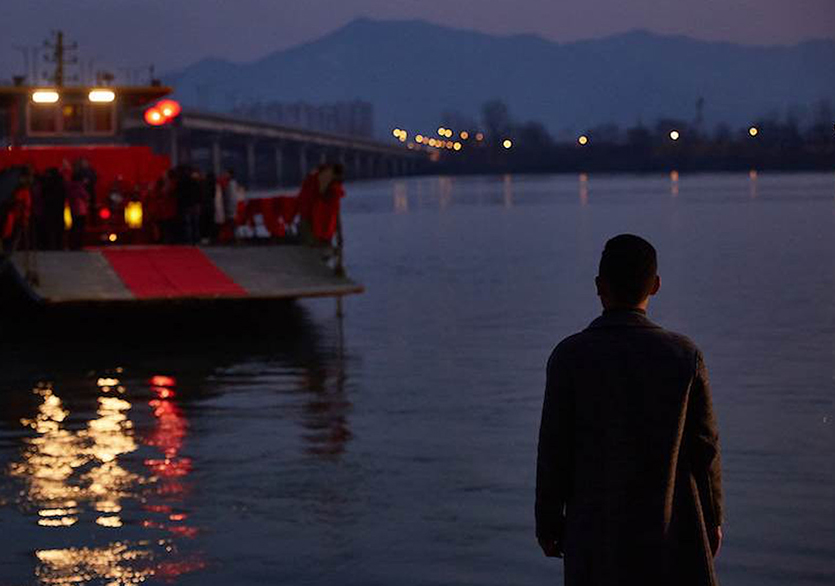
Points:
[591,340]
[680,340]
[569,346]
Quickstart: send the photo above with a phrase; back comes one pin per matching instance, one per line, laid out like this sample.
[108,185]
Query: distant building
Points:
[354,118]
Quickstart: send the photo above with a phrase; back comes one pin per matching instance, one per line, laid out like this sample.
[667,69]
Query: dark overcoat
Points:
[628,471]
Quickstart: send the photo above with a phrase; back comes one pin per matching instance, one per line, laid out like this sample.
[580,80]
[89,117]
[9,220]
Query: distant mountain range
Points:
[414,71]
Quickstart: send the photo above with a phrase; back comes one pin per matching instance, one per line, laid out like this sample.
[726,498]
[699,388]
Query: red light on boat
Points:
[163,381]
[104,214]
[169,109]
[154,117]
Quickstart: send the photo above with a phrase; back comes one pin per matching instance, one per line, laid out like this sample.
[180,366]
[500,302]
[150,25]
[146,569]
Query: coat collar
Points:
[623,318]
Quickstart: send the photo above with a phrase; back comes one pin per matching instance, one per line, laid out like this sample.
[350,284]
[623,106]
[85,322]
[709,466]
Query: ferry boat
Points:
[58,128]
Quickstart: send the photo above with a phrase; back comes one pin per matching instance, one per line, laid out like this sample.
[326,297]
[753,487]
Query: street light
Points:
[507,143]
[583,140]
[675,135]
[753,131]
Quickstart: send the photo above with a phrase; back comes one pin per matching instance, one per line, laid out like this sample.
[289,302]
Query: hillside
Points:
[413,71]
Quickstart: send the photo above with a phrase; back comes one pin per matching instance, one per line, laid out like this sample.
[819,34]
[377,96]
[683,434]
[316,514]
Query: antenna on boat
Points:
[61,54]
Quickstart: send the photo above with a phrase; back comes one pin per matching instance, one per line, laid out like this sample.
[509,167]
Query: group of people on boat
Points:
[58,207]
[187,206]
[38,200]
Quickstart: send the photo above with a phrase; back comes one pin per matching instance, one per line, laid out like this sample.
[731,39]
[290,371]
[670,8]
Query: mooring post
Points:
[340,330]
[339,269]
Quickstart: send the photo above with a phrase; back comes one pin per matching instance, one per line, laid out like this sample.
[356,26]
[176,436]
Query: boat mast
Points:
[60,53]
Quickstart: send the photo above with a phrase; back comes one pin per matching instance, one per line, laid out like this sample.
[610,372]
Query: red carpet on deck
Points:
[170,271]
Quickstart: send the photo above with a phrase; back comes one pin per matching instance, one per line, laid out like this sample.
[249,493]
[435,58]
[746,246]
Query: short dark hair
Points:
[629,266]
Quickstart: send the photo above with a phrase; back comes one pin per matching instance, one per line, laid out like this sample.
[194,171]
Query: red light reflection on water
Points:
[171,570]
[163,381]
[168,436]
[163,392]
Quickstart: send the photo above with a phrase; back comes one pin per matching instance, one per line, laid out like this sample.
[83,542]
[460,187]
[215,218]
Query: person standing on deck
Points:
[208,231]
[85,173]
[229,195]
[308,194]
[79,200]
[53,200]
[188,202]
[326,206]
[17,214]
[628,485]
[167,207]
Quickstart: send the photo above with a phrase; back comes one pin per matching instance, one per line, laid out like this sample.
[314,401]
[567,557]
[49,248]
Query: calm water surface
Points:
[400,448]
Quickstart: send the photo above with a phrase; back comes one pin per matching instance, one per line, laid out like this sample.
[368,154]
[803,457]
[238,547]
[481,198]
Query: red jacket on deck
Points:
[18,214]
[326,211]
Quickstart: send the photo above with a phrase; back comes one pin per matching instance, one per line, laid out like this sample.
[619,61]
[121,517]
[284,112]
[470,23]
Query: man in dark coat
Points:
[628,484]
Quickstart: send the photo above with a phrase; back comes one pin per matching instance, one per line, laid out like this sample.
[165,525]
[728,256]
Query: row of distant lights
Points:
[674,135]
[47,96]
[582,140]
[443,142]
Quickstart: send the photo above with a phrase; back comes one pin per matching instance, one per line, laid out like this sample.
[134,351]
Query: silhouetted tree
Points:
[495,116]
[532,136]
[605,133]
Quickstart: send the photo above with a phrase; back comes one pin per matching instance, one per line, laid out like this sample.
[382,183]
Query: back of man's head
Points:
[628,266]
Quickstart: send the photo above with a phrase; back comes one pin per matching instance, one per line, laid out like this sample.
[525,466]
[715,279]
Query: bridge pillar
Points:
[356,171]
[250,163]
[174,151]
[217,157]
[279,166]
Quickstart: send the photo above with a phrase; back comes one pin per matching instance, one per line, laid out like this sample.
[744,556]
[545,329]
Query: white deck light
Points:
[101,96]
[45,96]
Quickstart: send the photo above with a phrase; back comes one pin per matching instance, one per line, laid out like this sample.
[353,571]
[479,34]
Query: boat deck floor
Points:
[159,273]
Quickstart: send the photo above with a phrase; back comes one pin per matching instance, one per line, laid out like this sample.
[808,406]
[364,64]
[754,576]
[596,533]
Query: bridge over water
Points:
[265,155]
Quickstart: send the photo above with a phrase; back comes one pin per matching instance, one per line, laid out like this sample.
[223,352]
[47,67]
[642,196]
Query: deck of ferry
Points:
[141,274]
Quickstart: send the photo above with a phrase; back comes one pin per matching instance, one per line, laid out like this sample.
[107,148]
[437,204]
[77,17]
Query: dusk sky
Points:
[171,34]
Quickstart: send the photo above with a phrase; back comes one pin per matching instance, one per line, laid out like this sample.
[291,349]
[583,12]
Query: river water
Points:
[398,447]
